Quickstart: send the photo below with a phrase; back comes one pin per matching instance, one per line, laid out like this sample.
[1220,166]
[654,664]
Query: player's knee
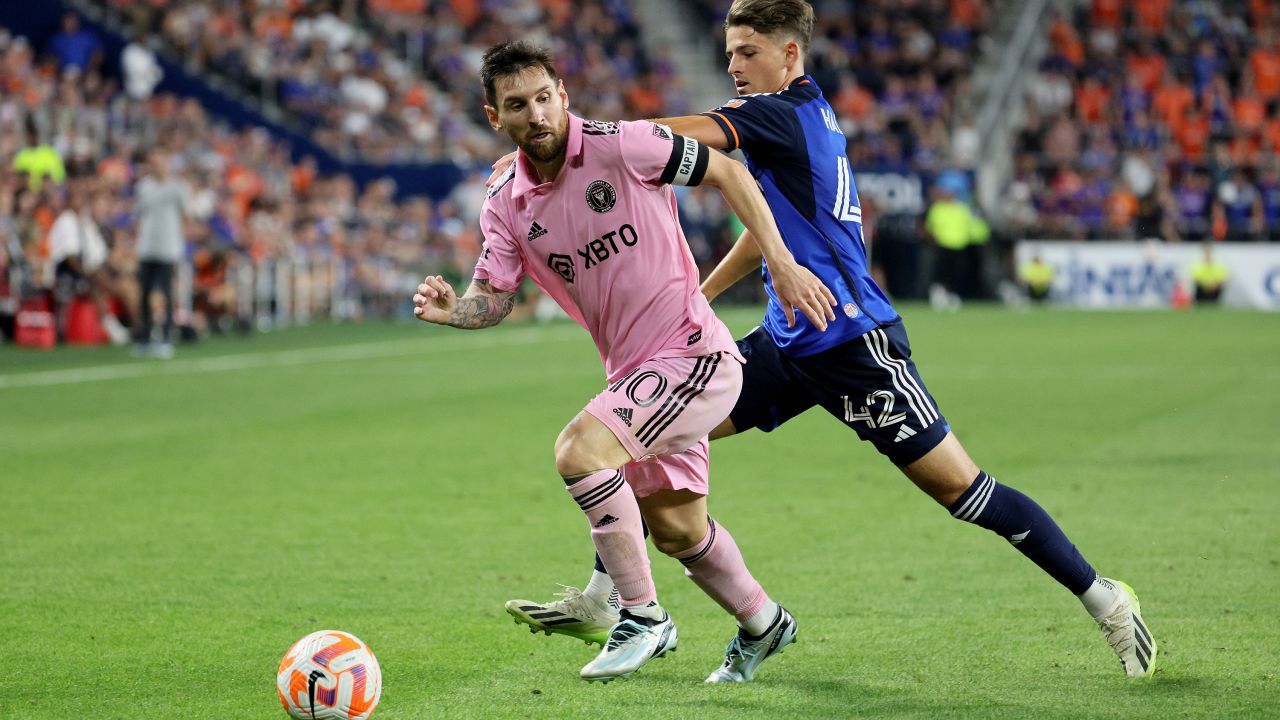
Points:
[673,541]
[574,455]
[568,462]
[674,535]
[947,492]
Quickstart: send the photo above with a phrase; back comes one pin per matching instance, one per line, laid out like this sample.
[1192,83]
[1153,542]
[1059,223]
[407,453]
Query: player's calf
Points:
[1031,530]
[1018,519]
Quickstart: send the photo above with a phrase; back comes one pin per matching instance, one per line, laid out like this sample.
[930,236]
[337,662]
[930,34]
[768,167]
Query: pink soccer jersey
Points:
[603,239]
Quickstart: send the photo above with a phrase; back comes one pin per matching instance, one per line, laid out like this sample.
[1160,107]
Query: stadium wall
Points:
[1144,275]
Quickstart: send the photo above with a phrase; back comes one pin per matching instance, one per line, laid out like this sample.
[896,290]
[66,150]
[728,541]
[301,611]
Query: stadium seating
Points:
[1155,119]
[392,81]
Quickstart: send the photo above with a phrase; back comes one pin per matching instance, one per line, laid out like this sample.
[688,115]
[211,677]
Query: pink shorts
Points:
[662,413]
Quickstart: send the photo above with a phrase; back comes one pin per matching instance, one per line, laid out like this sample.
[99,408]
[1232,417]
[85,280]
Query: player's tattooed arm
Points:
[482,306]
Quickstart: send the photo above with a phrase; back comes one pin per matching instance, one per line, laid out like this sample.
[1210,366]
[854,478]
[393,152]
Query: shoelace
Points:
[569,593]
[734,653]
[573,602]
[1116,623]
[623,632]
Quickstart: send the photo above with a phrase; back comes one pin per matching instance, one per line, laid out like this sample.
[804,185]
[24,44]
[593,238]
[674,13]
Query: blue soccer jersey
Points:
[796,151]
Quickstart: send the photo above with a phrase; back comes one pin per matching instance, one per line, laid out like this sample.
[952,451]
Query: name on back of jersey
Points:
[829,119]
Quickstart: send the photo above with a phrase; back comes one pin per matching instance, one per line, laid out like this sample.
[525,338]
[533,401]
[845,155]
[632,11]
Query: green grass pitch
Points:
[167,530]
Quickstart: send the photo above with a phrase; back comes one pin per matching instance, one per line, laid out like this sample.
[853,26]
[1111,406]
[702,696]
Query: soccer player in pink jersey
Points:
[587,211]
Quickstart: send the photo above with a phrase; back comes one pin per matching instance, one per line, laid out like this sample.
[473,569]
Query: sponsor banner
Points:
[902,192]
[893,192]
[1144,275]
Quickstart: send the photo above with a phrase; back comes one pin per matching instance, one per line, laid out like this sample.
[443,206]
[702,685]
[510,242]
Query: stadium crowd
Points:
[72,143]
[394,80]
[1151,119]
[1154,119]
[387,81]
[897,74]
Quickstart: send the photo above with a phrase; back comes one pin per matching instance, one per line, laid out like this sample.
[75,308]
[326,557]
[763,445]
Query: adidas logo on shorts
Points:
[625,414]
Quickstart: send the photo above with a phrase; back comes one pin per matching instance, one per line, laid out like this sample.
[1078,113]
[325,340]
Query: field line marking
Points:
[278,358]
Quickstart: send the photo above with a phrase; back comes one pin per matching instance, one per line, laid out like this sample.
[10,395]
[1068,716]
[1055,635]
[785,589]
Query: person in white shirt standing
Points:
[142,71]
[160,201]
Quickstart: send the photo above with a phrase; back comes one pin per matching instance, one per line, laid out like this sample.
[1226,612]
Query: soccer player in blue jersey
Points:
[860,369]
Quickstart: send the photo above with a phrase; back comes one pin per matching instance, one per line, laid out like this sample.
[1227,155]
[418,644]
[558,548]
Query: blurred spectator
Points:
[160,203]
[1036,277]
[78,260]
[39,162]
[141,69]
[952,227]
[1209,276]
[75,47]
[8,289]
[1238,208]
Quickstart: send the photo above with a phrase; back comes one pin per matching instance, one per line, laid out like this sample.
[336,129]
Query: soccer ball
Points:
[329,675]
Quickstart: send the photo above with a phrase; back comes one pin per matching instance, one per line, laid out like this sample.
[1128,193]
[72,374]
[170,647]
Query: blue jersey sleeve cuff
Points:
[726,126]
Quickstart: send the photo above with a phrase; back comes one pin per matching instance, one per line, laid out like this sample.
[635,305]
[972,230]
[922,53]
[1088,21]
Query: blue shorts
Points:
[868,383]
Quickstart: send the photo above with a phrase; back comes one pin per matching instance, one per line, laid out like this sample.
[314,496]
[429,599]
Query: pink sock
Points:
[617,532]
[716,565]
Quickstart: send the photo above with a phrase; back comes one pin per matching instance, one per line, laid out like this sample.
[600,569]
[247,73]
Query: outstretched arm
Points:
[482,306]
[795,286]
[699,127]
[742,258]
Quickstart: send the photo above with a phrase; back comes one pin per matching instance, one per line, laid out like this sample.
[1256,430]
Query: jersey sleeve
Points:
[757,122]
[500,261]
[658,156]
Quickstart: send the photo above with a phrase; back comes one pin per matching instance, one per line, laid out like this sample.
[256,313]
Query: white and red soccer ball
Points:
[329,675]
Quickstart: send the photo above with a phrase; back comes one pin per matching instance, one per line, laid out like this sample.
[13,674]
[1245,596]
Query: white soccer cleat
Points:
[574,614]
[1128,634]
[745,653]
[634,641]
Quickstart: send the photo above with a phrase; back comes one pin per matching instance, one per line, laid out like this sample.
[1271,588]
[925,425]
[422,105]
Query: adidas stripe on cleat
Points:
[1128,635]
[574,615]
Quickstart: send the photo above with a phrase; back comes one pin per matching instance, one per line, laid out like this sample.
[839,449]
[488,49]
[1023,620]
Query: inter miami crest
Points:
[601,197]
[563,265]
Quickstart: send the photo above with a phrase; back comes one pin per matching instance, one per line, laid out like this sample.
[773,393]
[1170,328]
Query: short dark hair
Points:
[510,58]
[793,17]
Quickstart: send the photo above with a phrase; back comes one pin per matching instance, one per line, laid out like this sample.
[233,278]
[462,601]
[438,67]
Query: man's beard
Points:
[548,151]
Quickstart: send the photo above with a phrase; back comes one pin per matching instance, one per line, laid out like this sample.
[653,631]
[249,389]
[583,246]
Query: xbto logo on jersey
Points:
[563,265]
[601,196]
[606,246]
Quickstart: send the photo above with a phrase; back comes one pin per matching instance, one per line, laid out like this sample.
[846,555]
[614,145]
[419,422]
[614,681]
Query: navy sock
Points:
[600,563]
[1018,519]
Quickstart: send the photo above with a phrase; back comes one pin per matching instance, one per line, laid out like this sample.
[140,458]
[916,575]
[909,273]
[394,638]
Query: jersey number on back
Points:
[845,209]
